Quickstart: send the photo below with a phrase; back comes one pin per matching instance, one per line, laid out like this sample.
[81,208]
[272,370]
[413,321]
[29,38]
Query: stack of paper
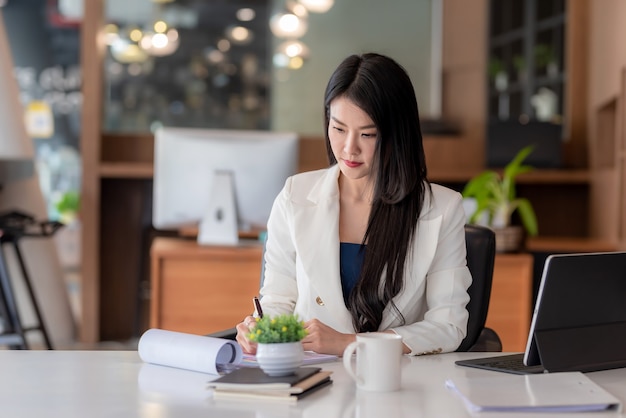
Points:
[254,384]
[548,392]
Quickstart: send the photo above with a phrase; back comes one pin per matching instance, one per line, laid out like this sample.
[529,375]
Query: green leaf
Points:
[69,202]
[285,328]
[527,215]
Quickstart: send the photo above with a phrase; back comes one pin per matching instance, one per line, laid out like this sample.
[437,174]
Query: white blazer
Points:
[302,264]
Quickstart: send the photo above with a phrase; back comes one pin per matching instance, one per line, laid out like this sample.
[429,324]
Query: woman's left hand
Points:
[325,340]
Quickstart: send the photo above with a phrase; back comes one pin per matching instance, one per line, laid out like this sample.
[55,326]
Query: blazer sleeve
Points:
[279,292]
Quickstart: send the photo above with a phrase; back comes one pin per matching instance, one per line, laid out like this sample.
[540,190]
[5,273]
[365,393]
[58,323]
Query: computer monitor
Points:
[222,181]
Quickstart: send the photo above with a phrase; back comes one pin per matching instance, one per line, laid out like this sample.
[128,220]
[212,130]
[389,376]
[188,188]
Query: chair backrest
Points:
[480,242]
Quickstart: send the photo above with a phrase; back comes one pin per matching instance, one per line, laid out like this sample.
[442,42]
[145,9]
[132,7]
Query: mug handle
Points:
[347,360]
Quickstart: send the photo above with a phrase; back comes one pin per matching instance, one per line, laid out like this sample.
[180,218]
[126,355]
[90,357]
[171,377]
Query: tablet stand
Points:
[585,349]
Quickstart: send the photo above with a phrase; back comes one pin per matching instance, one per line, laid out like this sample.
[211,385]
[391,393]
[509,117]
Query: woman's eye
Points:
[338,129]
[369,135]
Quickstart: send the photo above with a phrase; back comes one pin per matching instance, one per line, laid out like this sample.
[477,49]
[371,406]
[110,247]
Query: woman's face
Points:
[353,136]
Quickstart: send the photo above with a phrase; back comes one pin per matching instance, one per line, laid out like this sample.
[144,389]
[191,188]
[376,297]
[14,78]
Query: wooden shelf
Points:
[146,170]
[555,176]
[126,170]
[538,176]
[568,245]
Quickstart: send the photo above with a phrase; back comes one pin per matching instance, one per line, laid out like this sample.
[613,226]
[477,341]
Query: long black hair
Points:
[382,88]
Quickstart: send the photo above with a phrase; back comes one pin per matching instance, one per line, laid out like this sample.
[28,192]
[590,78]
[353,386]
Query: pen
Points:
[257,306]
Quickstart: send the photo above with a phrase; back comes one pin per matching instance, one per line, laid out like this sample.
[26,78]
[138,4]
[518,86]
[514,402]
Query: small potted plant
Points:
[279,351]
[496,202]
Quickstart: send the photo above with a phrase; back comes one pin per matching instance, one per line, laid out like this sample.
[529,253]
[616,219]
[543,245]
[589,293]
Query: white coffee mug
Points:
[378,358]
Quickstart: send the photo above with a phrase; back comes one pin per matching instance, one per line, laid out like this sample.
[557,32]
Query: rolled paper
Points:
[188,351]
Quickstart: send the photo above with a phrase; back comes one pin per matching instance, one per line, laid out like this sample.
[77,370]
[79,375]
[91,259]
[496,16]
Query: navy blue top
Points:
[350,263]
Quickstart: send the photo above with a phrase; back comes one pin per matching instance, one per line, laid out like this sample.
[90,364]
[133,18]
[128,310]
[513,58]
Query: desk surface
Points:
[68,384]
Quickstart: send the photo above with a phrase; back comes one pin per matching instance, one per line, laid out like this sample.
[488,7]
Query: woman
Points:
[368,244]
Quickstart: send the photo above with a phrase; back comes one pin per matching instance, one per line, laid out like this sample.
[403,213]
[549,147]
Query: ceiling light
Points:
[135,35]
[291,22]
[223,45]
[246,14]
[239,35]
[291,54]
[160,26]
[126,52]
[160,44]
[111,33]
[159,40]
[317,6]
[287,25]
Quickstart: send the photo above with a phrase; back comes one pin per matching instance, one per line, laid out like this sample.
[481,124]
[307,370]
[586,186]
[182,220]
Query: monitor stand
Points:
[219,226]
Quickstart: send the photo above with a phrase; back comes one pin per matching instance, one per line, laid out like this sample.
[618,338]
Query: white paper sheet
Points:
[188,351]
[548,392]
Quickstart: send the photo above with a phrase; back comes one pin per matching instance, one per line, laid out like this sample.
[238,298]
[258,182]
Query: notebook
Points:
[253,384]
[247,378]
[579,320]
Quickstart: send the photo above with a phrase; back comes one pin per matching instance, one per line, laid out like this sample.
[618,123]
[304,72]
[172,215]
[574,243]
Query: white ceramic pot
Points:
[279,359]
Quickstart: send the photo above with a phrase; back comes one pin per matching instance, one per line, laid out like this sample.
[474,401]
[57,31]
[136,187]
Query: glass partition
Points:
[237,64]
[186,63]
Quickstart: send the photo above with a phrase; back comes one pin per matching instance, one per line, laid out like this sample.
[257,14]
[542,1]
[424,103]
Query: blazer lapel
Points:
[317,243]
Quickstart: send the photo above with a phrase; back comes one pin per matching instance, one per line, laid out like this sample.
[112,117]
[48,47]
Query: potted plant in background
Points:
[546,60]
[498,74]
[68,239]
[67,206]
[279,351]
[496,202]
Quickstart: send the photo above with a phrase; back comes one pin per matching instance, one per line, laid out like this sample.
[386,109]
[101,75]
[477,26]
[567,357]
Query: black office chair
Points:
[480,242]
[481,250]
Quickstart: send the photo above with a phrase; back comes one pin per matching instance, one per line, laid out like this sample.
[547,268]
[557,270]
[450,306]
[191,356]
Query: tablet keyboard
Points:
[513,363]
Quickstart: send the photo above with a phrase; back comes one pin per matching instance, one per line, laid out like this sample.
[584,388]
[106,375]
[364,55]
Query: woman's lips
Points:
[351,164]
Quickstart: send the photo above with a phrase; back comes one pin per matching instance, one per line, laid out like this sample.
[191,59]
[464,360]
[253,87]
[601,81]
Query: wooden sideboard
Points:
[202,289]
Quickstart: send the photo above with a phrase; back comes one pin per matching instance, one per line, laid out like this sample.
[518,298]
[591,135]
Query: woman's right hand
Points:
[243,329]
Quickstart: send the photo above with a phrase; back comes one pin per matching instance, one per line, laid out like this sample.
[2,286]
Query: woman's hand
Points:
[324,340]
[243,329]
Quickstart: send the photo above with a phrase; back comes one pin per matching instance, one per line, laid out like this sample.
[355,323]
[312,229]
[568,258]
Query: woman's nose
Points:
[351,146]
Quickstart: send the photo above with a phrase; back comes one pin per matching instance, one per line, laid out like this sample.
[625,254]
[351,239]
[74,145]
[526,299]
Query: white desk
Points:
[68,384]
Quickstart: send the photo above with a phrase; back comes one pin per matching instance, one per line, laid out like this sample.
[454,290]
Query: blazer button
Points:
[319,301]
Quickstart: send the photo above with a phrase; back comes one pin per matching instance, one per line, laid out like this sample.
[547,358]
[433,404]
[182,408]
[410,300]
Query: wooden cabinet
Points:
[510,306]
[201,289]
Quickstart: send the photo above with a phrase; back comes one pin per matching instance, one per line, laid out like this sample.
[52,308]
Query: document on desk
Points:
[547,392]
